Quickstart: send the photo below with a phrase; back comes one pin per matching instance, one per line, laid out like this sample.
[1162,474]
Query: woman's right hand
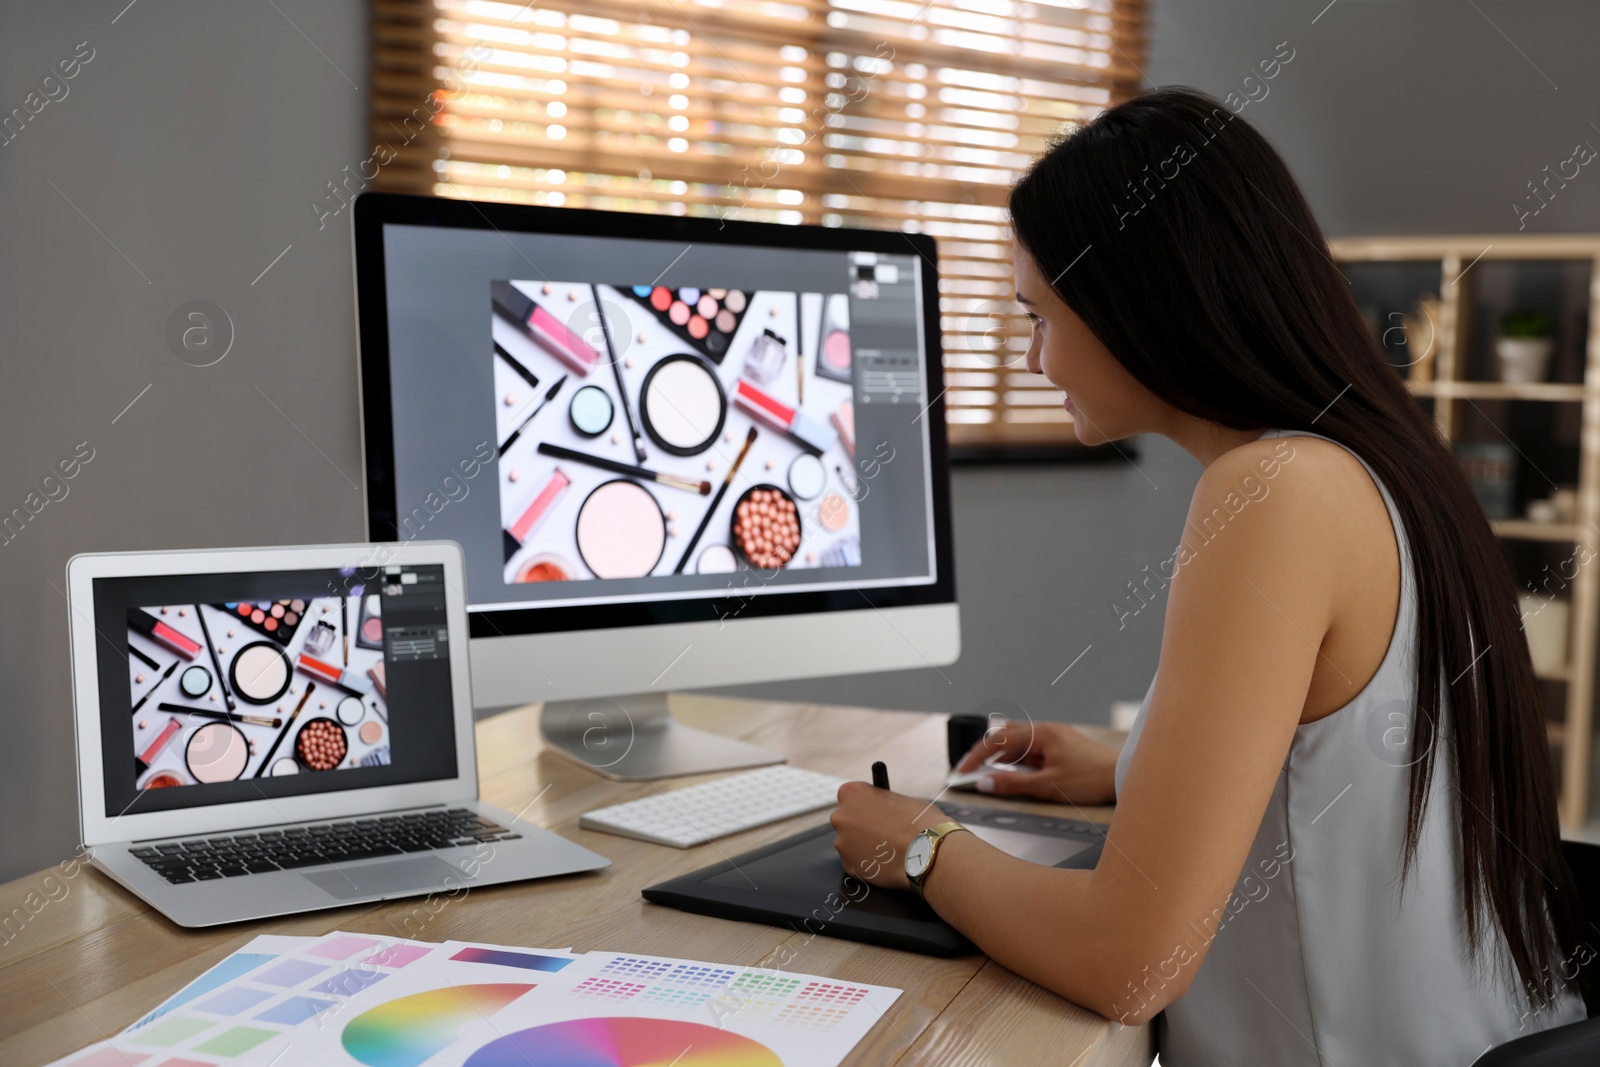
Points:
[1047,760]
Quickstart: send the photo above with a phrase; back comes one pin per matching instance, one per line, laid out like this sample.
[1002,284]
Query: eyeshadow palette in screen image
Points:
[707,319]
[656,408]
[218,694]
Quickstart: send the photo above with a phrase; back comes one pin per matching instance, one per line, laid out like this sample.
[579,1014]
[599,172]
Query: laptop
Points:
[275,730]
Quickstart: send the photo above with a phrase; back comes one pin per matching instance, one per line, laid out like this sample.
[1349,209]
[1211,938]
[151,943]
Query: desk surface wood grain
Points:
[80,958]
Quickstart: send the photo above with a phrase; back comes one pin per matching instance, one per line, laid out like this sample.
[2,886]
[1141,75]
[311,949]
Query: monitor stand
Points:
[634,738]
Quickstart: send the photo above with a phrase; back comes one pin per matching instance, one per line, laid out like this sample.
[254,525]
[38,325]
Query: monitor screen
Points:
[218,688]
[621,426]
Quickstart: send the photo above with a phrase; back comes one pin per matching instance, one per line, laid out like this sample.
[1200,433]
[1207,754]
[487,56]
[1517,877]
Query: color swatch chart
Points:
[649,1011]
[357,1001]
[253,999]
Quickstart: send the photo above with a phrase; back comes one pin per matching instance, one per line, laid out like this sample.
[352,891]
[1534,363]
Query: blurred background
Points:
[205,151]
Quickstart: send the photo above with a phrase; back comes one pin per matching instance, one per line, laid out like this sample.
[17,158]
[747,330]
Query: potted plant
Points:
[1523,347]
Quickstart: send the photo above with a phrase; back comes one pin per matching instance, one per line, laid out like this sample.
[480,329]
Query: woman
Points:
[1335,838]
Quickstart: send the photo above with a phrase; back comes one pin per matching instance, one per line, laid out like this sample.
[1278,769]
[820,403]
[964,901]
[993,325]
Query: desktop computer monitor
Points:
[678,453]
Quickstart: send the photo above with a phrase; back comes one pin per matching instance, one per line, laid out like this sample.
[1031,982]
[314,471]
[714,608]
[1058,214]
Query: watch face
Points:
[918,854]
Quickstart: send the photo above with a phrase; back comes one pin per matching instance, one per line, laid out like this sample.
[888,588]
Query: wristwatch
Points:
[923,850]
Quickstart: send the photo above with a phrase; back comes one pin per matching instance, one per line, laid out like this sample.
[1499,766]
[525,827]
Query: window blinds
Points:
[877,113]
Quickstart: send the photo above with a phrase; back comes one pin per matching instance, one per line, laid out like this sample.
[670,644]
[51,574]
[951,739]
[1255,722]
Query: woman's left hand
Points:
[872,829]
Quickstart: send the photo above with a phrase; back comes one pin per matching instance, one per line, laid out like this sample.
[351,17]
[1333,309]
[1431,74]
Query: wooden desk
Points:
[91,958]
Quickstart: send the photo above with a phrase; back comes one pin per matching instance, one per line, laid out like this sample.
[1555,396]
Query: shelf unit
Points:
[1472,278]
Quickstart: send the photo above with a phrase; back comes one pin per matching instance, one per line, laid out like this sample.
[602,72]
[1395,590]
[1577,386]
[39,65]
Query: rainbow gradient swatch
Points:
[624,1041]
[528,961]
[407,1030]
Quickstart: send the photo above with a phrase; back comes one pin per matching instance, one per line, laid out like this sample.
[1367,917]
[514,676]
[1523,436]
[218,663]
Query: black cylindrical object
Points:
[962,732]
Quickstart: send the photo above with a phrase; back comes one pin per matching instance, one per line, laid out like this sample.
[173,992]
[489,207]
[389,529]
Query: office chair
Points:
[1576,1044]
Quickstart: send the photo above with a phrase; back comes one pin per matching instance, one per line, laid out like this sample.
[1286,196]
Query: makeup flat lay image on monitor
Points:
[645,430]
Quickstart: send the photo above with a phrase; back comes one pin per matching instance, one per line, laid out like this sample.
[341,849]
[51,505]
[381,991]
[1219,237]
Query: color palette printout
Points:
[254,1000]
[357,1001]
[619,1008]
[649,431]
[235,690]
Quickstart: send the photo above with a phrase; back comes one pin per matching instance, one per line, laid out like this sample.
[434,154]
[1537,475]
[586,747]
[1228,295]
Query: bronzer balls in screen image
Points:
[766,526]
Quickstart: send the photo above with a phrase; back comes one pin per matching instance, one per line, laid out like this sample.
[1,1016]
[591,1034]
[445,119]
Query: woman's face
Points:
[1105,401]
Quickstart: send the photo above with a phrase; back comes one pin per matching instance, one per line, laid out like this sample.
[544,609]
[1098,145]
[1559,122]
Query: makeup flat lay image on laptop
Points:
[270,731]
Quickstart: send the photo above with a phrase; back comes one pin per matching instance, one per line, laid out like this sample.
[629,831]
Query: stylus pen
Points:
[215,665]
[549,396]
[880,775]
[616,368]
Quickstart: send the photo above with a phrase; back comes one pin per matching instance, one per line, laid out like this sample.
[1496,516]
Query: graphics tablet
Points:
[799,882]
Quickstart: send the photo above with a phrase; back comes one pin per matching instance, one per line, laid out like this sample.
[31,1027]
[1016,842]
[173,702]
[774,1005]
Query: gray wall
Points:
[1408,116]
[189,146]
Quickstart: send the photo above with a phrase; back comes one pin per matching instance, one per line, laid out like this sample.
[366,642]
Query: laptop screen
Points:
[222,688]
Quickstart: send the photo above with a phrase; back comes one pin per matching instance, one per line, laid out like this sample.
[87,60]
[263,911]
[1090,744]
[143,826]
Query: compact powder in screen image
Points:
[350,710]
[621,530]
[716,559]
[834,357]
[195,681]
[806,476]
[545,567]
[260,673]
[684,405]
[371,732]
[590,411]
[833,512]
[284,765]
[217,752]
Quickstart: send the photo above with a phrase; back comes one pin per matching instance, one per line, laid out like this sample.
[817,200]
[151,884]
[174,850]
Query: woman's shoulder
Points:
[1308,489]
[1313,467]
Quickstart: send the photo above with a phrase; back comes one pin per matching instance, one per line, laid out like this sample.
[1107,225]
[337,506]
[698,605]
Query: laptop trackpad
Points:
[394,876]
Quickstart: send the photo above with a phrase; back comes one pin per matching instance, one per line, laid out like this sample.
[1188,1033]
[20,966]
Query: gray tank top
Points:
[1318,958]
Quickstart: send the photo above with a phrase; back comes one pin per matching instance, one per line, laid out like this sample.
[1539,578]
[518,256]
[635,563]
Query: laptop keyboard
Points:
[203,858]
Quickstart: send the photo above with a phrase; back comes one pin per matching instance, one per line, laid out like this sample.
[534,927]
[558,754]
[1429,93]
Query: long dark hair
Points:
[1205,275]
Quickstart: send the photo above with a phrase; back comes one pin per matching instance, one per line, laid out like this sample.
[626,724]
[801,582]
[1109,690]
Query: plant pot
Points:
[1523,359]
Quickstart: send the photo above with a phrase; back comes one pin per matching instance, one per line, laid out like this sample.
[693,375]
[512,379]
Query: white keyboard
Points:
[700,813]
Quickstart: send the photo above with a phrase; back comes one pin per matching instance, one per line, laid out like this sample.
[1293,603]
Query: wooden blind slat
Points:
[873,113]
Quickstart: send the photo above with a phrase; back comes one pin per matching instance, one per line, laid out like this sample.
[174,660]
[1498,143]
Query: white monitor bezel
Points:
[98,828]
